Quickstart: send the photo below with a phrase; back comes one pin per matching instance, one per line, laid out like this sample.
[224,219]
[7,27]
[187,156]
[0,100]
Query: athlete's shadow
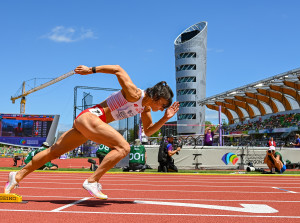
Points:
[87,203]
[102,203]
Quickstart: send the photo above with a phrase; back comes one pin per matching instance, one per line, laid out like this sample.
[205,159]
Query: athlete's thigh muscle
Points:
[98,131]
[68,141]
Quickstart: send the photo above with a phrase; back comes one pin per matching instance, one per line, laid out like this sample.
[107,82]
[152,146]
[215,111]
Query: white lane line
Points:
[69,205]
[182,178]
[167,190]
[170,176]
[157,214]
[146,176]
[288,191]
[167,199]
[154,185]
[165,181]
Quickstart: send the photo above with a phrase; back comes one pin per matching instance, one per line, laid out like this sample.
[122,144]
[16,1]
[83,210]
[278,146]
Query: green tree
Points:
[209,124]
[156,133]
[224,123]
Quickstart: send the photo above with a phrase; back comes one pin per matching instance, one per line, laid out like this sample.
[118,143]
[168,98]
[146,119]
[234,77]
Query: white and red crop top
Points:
[121,108]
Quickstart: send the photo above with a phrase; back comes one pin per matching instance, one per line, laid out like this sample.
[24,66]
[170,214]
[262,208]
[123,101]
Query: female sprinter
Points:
[92,124]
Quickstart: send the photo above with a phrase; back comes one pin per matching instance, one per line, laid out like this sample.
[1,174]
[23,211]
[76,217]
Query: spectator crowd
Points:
[275,121]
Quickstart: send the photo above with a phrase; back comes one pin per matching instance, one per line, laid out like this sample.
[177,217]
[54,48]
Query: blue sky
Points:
[247,41]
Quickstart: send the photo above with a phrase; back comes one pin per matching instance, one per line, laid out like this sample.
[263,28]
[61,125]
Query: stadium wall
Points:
[211,157]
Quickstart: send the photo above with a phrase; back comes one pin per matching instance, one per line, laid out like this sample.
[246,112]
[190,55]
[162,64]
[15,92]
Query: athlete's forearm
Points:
[107,69]
[155,127]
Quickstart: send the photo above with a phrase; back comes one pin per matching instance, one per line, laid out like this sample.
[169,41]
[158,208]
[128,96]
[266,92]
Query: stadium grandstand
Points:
[269,107]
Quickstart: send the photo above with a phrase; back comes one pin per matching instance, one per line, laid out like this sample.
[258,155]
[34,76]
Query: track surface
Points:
[62,163]
[59,197]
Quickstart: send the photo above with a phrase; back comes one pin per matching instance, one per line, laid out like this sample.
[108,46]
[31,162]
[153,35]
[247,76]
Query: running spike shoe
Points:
[12,183]
[94,189]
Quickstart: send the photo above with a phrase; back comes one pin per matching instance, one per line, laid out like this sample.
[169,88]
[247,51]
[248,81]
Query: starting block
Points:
[10,198]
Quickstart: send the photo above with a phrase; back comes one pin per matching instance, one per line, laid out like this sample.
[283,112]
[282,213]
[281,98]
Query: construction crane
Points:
[25,93]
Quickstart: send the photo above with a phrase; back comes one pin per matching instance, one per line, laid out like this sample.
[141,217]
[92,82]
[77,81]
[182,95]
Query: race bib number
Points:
[137,157]
[104,148]
[96,111]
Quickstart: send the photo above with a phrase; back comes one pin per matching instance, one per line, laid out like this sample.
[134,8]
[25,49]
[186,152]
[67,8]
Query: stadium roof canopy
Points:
[271,95]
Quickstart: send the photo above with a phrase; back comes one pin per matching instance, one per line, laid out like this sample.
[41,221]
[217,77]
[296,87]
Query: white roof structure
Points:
[271,95]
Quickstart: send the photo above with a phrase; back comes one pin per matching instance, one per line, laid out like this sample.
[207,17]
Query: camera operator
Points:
[274,160]
[297,141]
[172,148]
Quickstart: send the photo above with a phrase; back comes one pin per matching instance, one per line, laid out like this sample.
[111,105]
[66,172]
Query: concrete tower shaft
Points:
[190,62]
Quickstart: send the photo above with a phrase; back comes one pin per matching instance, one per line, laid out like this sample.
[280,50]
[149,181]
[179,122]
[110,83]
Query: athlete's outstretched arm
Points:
[131,92]
[149,127]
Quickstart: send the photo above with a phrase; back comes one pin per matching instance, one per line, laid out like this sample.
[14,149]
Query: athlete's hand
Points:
[83,70]
[172,110]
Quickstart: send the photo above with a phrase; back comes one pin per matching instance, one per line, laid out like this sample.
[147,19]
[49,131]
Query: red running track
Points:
[62,163]
[59,197]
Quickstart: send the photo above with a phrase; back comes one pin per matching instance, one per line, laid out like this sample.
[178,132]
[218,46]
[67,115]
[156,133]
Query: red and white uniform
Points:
[272,143]
[121,108]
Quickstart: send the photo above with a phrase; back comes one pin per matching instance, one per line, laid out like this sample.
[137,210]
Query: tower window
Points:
[186,116]
[186,55]
[185,104]
[186,67]
[186,91]
[186,79]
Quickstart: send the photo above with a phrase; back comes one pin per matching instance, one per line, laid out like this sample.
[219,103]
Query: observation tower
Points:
[190,62]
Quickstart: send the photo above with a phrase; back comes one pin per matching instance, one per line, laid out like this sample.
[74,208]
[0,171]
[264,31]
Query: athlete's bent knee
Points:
[124,149]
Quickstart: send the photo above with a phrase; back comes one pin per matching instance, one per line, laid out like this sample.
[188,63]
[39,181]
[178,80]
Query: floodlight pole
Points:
[220,128]
[86,87]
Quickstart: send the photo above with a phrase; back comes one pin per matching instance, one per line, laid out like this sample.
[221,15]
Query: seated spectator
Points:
[137,157]
[47,166]
[274,160]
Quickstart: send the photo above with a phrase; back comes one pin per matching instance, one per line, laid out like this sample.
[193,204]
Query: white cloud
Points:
[215,50]
[68,35]
[149,50]
[219,50]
